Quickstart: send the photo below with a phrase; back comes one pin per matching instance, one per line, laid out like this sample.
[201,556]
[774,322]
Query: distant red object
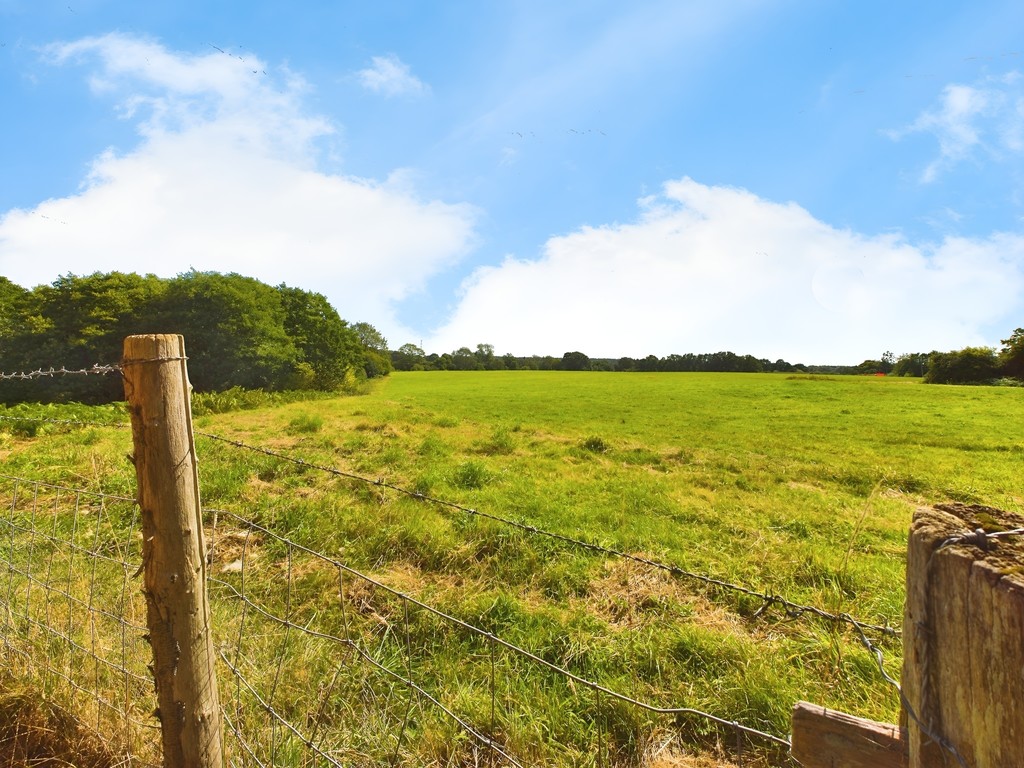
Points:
[879,374]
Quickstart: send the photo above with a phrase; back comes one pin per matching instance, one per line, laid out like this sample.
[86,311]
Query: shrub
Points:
[970,365]
[471,474]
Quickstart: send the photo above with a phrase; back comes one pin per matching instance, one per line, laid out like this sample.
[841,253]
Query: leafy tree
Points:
[869,367]
[238,332]
[77,322]
[409,357]
[911,364]
[234,329]
[574,361]
[376,363]
[484,353]
[370,337]
[1011,356]
[463,359]
[12,298]
[327,346]
[648,364]
[971,365]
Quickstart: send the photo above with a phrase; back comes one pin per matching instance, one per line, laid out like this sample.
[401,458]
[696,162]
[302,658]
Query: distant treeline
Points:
[971,365]
[238,332]
[409,357]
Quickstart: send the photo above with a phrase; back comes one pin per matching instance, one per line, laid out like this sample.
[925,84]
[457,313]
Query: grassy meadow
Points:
[796,485]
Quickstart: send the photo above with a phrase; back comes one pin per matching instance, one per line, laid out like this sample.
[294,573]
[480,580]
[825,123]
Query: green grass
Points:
[799,486]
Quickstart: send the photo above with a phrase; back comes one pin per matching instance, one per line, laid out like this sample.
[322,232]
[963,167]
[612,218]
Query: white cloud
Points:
[225,178]
[987,116]
[390,76]
[707,268]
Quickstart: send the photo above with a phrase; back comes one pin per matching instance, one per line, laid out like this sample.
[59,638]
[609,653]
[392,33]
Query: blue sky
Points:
[816,181]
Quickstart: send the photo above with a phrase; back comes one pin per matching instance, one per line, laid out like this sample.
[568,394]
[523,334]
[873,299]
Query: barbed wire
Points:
[875,651]
[792,609]
[979,537]
[94,553]
[95,370]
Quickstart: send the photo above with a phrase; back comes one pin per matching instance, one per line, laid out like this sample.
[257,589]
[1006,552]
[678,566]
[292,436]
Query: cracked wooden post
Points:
[174,552]
[963,639]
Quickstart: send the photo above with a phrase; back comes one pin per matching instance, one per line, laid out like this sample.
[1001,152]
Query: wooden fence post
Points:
[963,639]
[173,552]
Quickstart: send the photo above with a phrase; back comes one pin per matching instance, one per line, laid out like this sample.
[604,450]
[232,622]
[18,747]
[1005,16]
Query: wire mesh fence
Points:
[73,621]
[363,672]
[319,663]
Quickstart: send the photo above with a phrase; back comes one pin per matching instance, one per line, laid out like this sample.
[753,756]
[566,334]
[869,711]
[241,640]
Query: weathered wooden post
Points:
[174,552]
[963,638]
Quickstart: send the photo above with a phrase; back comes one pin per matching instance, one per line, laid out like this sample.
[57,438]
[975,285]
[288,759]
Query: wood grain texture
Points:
[174,552]
[824,738]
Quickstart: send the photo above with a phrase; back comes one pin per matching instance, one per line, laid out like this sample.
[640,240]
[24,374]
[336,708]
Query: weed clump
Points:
[595,444]
[470,474]
[306,423]
[501,442]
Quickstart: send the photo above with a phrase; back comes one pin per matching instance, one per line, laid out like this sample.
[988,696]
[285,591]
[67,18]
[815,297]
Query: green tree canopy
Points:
[234,330]
[328,347]
[370,337]
[12,297]
[574,361]
[970,365]
[238,332]
[1011,356]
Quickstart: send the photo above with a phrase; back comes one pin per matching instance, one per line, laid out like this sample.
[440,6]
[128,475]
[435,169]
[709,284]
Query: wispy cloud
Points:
[709,268]
[986,117]
[226,177]
[392,77]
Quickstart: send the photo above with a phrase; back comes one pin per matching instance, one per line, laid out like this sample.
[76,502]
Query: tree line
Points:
[239,332]
[410,357]
[971,365]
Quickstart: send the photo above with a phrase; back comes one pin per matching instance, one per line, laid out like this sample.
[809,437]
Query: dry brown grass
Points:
[38,734]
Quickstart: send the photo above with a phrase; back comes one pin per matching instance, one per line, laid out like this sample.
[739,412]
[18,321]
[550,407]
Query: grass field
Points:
[802,486]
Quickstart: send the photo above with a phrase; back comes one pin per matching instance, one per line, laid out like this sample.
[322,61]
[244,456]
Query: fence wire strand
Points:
[40,373]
